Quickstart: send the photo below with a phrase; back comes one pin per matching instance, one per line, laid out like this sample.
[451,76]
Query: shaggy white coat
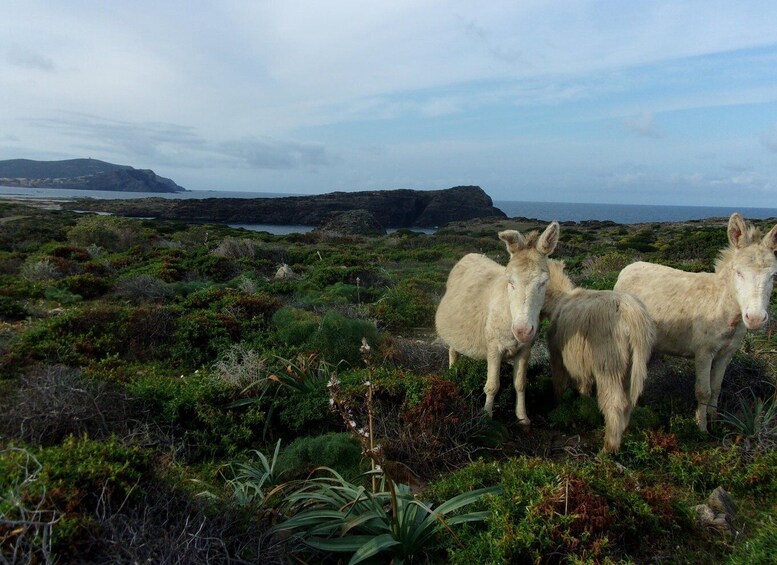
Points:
[491,312]
[705,316]
[600,337]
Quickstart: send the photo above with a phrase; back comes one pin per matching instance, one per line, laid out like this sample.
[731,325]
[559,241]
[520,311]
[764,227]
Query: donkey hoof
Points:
[524,423]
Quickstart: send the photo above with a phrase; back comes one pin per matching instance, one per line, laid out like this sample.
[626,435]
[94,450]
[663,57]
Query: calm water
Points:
[547,211]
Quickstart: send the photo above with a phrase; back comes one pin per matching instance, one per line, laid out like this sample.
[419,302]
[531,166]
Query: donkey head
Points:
[753,266]
[527,277]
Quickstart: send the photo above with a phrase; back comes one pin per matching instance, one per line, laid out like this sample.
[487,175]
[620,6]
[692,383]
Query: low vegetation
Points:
[165,397]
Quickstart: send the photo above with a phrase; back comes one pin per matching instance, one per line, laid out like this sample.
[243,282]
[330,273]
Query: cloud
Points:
[275,154]
[494,47]
[167,143]
[26,58]
[769,139]
[643,125]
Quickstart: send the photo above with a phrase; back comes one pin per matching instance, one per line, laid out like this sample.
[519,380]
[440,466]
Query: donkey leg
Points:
[719,365]
[703,363]
[494,359]
[560,375]
[520,363]
[453,356]
[614,404]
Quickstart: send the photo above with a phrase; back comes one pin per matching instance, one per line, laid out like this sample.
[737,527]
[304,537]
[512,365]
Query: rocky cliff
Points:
[392,208]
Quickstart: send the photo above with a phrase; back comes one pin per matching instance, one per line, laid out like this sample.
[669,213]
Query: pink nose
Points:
[523,333]
[755,320]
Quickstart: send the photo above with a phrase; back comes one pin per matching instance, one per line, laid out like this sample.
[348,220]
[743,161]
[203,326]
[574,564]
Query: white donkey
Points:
[600,337]
[491,312]
[705,315]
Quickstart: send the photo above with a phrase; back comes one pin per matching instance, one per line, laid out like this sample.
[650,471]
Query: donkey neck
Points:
[559,285]
[727,302]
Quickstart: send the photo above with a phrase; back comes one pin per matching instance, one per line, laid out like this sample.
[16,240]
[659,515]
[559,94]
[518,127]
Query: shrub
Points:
[12,309]
[340,451]
[75,479]
[86,285]
[242,367]
[235,248]
[54,402]
[144,288]
[586,512]
[199,338]
[38,271]
[405,306]
[338,338]
[148,331]
[200,410]
[294,326]
[108,232]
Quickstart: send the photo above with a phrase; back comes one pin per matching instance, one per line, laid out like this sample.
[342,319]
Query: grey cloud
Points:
[25,58]
[166,143]
[275,154]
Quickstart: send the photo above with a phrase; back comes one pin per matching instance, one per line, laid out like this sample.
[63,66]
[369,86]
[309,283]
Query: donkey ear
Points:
[514,241]
[770,239]
[548,240]
[737,231]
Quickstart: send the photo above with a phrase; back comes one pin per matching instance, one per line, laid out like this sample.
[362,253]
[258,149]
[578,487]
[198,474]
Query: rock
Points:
[352,222]
[392,208]
[285,272]
[718,513]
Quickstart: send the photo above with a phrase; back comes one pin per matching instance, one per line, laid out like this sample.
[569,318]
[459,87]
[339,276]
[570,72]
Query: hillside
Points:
[82,174]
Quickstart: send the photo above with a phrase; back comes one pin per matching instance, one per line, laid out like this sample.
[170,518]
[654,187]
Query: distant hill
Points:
[83,174]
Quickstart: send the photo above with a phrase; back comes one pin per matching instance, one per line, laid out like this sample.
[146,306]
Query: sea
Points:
[545,211]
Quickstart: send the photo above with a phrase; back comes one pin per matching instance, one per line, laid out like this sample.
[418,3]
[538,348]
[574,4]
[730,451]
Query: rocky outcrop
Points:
[392,208]
[352,222]
[82,174]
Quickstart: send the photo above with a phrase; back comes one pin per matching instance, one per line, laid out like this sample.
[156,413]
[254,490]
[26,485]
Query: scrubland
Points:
[164,397]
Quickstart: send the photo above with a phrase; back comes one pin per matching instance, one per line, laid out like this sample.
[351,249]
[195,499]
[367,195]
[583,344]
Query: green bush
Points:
[65,485]
[199,409]
[12,309]
[86,285]
[405,306]
[108,232]
[584,512]
[199,338]
[339,338]
[340,451]
[294,326]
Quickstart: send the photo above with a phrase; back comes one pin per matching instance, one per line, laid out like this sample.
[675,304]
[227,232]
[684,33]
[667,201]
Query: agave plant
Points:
[755,421]
[333,515]
[251,481]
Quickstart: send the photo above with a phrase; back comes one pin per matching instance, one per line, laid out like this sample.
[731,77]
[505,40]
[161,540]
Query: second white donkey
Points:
[600,337]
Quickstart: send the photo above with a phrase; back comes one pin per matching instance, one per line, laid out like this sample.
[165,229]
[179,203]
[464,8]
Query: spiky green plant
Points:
[754,422]
[330,514]
[252,480]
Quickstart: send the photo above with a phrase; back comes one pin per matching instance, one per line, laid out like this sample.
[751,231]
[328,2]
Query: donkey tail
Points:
[642,337]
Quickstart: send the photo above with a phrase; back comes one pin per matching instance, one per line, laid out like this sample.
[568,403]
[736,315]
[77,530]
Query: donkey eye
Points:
[740,275]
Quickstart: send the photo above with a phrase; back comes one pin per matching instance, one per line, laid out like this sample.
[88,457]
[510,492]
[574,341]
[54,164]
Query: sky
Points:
[634,102]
